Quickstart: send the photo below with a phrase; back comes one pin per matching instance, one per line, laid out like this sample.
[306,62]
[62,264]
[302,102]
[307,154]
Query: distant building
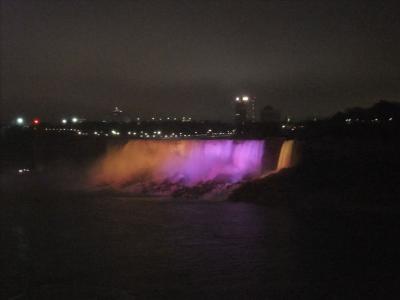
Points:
[244,111]
[119,116]
[117,112]
[270,115]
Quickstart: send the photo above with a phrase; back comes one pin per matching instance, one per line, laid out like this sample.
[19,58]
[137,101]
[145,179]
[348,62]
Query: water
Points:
[158,248]
[286,155]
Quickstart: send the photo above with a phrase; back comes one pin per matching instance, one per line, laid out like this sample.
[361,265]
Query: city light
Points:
[20,121]
[36,121]
[245,98]
[237,98]
[74,120]
[64,121]
[22,171]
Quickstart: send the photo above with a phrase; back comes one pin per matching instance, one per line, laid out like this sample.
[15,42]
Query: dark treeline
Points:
[380,120]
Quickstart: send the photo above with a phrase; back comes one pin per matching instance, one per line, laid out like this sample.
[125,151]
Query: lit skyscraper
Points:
[244,109]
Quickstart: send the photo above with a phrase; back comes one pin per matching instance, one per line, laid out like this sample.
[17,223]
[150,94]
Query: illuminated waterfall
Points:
[286,155]
[187,162]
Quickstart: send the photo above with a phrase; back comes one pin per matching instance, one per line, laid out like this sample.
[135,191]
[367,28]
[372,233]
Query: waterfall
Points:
[188,162]
[286,155]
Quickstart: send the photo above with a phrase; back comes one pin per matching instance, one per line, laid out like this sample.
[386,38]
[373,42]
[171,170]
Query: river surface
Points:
[69,245]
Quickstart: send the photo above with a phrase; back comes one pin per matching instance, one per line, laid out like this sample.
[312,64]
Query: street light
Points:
[20,121]
[64,121]
[74,120]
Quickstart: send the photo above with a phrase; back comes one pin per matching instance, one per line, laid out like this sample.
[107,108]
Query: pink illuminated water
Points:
[188,162]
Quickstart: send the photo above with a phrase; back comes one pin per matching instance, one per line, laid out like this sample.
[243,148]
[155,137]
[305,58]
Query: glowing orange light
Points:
[286,155]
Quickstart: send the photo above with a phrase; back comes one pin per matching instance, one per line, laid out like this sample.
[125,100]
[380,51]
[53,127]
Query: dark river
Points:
[71,246]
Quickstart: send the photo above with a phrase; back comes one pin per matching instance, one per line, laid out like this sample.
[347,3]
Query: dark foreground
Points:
[70,245]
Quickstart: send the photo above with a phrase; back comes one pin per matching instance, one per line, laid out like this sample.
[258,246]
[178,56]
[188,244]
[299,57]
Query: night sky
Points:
[305,58]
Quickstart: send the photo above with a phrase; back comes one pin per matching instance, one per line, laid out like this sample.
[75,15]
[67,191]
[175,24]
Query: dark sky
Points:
[192,57]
